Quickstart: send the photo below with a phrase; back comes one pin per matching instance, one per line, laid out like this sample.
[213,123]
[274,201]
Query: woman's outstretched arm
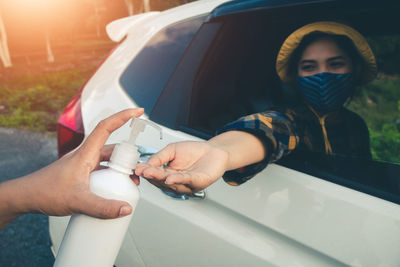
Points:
[193,166]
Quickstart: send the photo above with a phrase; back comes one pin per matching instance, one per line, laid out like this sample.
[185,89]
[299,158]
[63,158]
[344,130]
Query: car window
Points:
[237,77]
[147,74]
[172,107]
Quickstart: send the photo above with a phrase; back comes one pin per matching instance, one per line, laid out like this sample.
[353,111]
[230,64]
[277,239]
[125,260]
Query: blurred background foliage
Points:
[34,91]
[378,102]
[33,101]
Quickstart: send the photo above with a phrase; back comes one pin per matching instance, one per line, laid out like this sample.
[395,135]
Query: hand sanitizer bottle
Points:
[92,242]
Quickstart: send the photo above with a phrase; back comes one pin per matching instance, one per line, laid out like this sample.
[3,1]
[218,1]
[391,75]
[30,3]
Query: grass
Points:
[378,103]
[33,93]
[35,101]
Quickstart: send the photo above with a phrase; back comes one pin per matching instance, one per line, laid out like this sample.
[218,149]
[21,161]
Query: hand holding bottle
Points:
[62,188]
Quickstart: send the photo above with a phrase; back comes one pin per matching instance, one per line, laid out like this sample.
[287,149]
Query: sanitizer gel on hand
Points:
[92,242]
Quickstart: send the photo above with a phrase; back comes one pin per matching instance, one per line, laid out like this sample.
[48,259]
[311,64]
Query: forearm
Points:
[243,148]
[13,200]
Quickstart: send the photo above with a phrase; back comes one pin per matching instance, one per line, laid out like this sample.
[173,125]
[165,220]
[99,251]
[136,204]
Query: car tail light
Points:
[70,131]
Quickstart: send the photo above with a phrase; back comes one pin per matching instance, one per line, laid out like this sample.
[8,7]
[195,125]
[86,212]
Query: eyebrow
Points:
[305,61]
[335,58]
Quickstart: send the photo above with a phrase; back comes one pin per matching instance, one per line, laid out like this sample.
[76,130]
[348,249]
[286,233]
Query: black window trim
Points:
[173,105]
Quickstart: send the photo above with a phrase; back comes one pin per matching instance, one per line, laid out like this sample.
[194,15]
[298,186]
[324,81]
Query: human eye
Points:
[338,64]
[307,67]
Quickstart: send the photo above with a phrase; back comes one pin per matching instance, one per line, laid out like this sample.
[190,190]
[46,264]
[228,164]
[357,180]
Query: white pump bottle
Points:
[92,242]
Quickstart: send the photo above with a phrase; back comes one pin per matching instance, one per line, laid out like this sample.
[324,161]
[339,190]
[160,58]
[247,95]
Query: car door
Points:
[251,225]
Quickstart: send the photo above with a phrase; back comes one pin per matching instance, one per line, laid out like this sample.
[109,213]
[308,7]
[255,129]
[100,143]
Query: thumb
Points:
[102,208]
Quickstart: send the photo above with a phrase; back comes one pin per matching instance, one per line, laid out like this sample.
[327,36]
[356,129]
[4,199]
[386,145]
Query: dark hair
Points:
[343,42]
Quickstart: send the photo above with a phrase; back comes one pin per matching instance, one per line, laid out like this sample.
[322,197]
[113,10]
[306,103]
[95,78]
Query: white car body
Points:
[280,217]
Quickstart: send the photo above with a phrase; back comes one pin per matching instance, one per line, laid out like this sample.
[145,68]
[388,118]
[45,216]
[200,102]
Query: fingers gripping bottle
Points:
[92,242]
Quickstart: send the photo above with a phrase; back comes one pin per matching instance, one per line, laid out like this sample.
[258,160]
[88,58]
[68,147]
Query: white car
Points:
[198,66]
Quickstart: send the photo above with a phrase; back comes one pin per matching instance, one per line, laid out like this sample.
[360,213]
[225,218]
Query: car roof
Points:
[155,20]
[212,8]
[218,8]
[241,6]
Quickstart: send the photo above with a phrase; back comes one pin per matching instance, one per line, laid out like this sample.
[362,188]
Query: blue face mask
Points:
[326,92]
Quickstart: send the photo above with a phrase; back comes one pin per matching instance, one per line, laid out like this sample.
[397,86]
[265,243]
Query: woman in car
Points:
[324,62]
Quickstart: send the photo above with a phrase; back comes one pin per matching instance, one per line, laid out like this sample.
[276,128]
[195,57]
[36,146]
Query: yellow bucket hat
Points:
[330,27]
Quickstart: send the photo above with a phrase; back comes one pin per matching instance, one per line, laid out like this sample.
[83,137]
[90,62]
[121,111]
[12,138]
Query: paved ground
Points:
[25,242]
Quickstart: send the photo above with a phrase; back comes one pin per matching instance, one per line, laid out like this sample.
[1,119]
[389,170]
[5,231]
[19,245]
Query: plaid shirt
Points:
[299,129]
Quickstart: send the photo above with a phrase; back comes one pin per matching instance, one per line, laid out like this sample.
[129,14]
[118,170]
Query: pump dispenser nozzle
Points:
[138,126]
[125,155]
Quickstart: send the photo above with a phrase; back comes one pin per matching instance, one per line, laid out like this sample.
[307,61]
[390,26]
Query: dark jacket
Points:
[300,129]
